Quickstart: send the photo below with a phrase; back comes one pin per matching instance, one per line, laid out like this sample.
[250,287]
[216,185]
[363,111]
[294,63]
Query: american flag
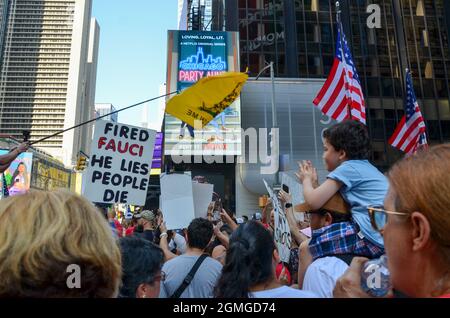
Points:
[410,134]
[342,90]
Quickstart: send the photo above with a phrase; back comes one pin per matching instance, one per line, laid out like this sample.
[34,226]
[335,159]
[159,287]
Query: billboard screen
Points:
[193,55]
[18,175]
[50,178]
[157,155]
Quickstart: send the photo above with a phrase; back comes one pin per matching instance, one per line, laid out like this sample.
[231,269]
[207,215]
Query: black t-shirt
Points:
[148,235]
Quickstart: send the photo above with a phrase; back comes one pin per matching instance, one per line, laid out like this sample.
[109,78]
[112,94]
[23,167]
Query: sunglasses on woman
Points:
[378,216]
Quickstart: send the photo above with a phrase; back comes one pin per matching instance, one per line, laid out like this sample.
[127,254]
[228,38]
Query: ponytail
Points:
[235,279]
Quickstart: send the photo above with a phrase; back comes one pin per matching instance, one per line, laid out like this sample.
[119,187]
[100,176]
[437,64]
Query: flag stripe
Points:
[335,98]
[337,67]
[407,130]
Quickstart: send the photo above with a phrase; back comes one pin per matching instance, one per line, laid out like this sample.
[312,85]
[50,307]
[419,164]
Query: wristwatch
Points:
[288,205]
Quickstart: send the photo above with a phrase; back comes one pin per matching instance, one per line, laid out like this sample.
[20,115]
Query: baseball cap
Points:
[335,204]
[146,215]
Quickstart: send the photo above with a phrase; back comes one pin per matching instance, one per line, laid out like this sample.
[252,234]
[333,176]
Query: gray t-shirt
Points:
[205,279]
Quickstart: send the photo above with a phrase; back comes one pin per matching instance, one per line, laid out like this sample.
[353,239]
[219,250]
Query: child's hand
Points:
[306,171]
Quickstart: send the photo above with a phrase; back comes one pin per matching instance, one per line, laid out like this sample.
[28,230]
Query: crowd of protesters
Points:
[355,215]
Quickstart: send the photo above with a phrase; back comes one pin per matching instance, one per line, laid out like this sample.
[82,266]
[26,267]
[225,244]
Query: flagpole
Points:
[95,119]
[341,30]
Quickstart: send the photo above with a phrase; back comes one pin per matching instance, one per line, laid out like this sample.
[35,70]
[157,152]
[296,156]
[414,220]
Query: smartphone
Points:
[217,209]
[285,188]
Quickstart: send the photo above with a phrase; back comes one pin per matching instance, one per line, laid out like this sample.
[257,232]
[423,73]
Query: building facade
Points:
[47,76]
[102,109]
[299,37]
[204,15]
[4,6]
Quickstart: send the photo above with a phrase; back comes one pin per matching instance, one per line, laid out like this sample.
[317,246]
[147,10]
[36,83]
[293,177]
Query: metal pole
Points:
[274,114]
[274,121]
[346,80]
[98,118]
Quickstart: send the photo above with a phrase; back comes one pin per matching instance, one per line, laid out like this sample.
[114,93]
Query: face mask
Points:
[139,228]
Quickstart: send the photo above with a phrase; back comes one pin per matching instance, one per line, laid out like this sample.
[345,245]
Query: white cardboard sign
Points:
[282,233]
[119,165]
[202,198]
[176,200]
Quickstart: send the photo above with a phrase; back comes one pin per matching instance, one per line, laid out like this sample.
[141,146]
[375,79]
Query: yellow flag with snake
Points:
[207,98]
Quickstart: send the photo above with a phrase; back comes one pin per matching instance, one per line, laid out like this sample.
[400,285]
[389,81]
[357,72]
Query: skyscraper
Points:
[299,37]
[4,5]
[182,14]
[47,76]
[102,109]
[199,15]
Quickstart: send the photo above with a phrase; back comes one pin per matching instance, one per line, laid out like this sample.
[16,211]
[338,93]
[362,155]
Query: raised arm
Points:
[316,197]
[164,244]
[222,238]
[228,220]
[295,231]
[10,156]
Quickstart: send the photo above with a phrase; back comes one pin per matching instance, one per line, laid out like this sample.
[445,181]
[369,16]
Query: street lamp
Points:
[272,79]
[274,114]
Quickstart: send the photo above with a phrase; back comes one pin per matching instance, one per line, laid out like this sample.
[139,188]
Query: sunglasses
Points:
[378,216]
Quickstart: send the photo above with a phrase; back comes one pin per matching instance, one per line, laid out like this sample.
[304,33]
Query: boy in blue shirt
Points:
[346,153]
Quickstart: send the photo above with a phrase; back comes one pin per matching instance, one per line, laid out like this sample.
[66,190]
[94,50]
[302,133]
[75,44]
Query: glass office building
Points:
[299,36]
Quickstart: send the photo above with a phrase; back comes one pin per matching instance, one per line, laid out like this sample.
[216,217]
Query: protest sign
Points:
[119,165]
[202,198]
[282,233]
[176,200]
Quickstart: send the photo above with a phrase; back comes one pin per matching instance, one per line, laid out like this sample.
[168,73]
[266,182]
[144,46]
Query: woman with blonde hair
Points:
[56,244]
[415,224]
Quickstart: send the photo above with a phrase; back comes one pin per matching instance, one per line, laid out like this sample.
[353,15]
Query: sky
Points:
[132,52]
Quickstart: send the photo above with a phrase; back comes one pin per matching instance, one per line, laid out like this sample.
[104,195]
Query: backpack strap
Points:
[190,276]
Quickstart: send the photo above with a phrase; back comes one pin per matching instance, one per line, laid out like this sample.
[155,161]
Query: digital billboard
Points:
[157,155]
[18,174]
[193,55]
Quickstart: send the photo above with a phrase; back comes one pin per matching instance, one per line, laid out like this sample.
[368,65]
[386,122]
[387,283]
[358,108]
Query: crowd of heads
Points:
[48,238]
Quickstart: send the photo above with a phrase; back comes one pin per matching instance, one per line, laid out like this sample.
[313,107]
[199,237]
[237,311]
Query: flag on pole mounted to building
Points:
[341,97]
[202,102]
[410,134]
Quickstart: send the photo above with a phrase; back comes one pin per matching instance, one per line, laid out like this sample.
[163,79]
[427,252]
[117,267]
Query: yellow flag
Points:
[207,98]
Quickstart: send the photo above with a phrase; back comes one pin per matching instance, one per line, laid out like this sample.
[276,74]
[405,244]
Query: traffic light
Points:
[81,163]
